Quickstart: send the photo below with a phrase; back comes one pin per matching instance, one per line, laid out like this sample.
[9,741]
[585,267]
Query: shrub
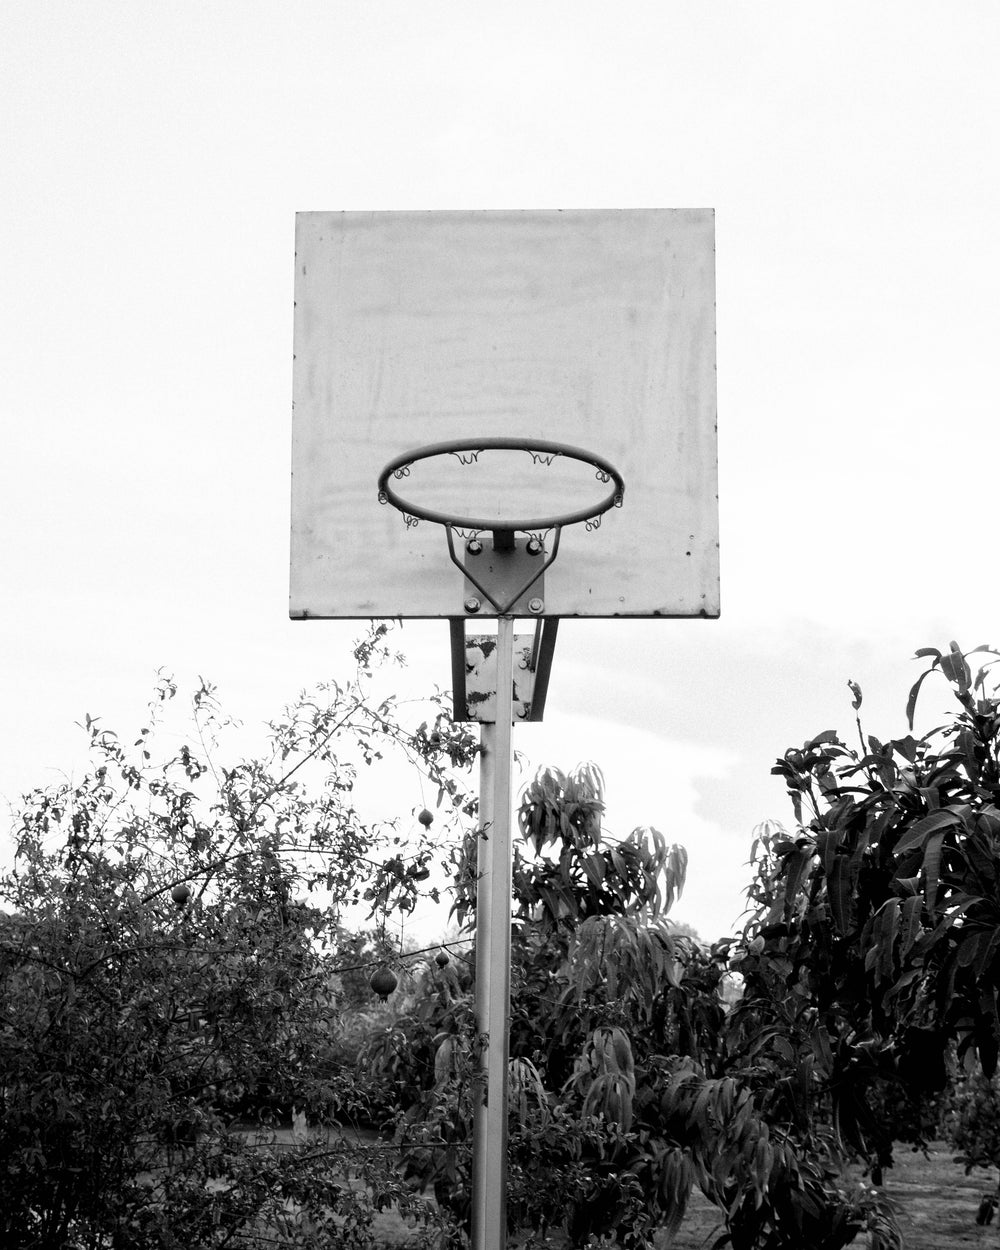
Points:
[140,1023]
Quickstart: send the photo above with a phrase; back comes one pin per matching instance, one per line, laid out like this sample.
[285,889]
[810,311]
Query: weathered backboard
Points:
[591,328]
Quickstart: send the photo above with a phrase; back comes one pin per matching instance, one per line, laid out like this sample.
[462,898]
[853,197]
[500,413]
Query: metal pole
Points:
[493,907]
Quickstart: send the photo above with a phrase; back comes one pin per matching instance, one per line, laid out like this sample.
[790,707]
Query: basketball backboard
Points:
[591,328]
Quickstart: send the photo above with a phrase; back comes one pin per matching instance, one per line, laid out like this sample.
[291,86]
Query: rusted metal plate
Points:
[481,677]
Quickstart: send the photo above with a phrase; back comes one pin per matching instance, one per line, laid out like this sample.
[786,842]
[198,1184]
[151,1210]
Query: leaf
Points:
[987,1029]
[827,844]
[659,844]
[822,1049]
[906,747]
[839,894]
[595,868]
[918,833]
[696,1115]
[911,702]
[956,669]
[795,868]
[929,938]
[968,947]
[610,969]
[911,926]
[674,874]
[908,978]
[861,845]
[981,674]
[675,1186]
[984,964]
[888,927]
[683,1076]
[932,868]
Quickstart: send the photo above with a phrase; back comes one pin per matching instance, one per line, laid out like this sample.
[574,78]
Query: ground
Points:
[936,1204]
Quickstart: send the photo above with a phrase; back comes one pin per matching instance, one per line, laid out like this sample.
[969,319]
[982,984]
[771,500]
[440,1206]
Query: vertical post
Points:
[493,906]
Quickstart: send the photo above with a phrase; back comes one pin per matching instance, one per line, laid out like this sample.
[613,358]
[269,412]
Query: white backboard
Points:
[591,328]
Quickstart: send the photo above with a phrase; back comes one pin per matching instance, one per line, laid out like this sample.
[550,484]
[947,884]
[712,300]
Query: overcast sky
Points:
[154,156]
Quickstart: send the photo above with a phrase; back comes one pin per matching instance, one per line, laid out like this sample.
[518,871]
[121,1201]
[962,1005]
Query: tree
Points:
[627,1084]
[167,971]
[876,939]
[971,1123]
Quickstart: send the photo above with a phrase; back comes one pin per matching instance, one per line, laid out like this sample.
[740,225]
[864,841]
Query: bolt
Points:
[474,547]
[535,605]
[472,604]
[533,547]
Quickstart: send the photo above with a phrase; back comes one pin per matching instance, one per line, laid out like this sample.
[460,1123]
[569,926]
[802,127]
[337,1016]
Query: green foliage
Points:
[588,877]
[970,1123]
[971,1120]
[150,1037]
[174,970]
[875,942]
[628,1085]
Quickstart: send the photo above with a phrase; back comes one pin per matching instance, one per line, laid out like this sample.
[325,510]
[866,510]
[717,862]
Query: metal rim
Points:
[534,446]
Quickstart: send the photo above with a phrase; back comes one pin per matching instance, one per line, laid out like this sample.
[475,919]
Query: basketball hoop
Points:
[467,450]
[511,568]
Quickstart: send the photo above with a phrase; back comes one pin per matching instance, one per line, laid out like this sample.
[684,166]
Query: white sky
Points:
[154,156]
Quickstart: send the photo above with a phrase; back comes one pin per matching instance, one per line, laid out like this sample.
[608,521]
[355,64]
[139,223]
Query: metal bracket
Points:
[504,575]
[474,676]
